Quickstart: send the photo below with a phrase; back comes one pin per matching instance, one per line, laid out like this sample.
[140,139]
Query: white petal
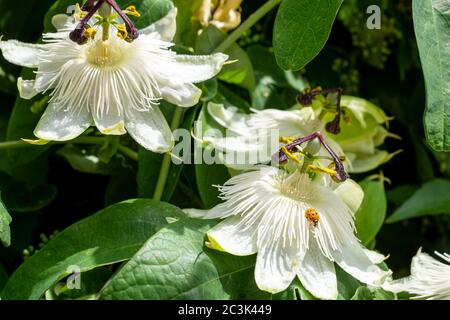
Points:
[193,68]
[59,21]
[355,262]
[150,129]
[20,53]
[110,123]
[317,273]
[57,124]
[374,256]
[274,269]
[26,88]
[235,237]
[180,93]
[165,27]
[229,118]
[351,193]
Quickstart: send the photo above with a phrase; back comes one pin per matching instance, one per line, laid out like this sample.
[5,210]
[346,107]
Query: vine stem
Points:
[247,24]
[165,166]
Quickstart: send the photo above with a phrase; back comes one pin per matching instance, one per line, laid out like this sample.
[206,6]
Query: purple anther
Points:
[77,35]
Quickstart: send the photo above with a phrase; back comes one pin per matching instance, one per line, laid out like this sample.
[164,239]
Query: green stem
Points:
[247,24]
[13,144]
[129,152]
[165,166]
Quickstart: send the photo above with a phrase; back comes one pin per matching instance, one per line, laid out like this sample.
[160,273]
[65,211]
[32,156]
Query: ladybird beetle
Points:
[312,216]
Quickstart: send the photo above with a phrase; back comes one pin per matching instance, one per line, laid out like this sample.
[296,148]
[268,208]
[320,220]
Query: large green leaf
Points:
[432,198]
[432,28]
[174,264]
[301,30]
[5,220]
[372,212]
[112,235]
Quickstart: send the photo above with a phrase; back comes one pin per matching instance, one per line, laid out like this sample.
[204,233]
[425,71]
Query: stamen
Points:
[282,156]
[131,10]
[122,31]
[291,155]
[329,171]
[90,33]
[286,140]
[133,32]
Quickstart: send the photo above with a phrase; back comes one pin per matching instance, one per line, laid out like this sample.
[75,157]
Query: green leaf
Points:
[5,220]
[273,85]
[239,72]
[88,159]
[380,294]
[432,29]
[431,199]
[363,293]
[187,27]
[112,235]
[150,10]
[301,30]
[20,198]
[174,264]
[346,284]
[90,283]
[372,212]
[3,277]
[121,186]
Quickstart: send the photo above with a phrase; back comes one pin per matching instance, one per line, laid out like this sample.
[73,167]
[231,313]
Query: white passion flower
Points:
[256,137]
[296,226]
[429,279]
[99,71]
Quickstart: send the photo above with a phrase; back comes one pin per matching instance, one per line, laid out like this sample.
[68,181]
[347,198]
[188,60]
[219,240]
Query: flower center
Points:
[105,54]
